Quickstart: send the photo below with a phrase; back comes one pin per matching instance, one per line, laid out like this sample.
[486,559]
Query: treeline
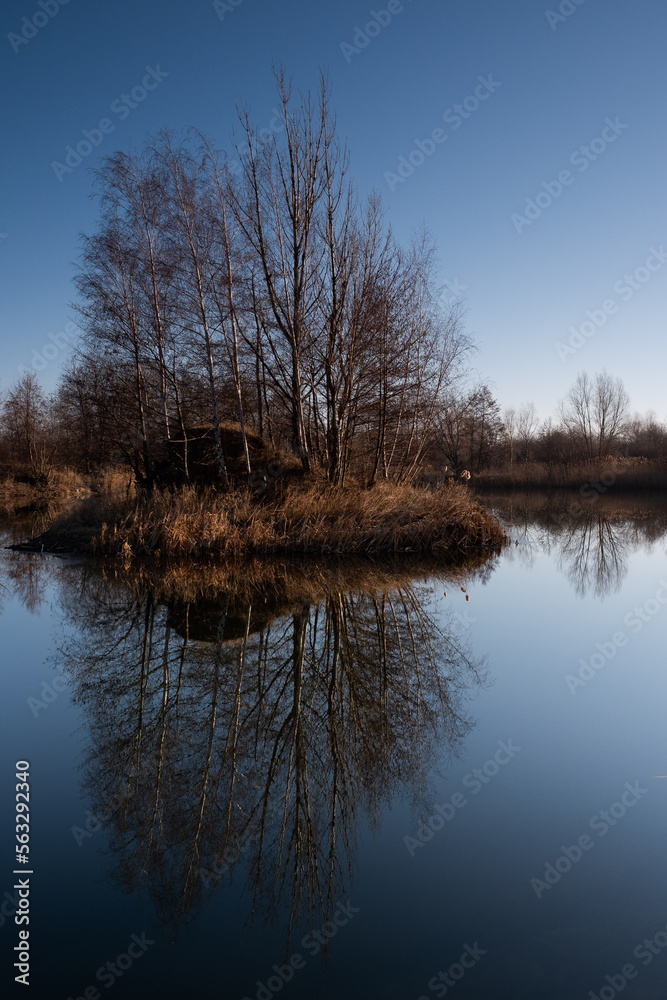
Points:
[272,298]
[465,430]
[593,424]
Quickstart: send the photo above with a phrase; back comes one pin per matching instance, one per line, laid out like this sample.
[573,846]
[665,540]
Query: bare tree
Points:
[284,188]
[25,414]
[184,179]
[277,297]
[230,267]
[109,316]
[469,427]
[646,436]
[527,423]
[593,413]
[510,433]
[131,186]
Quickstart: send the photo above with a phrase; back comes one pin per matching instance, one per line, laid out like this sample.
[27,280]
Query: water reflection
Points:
[254,722]
[20,522]
[592,538]
[243,725]
[24,576]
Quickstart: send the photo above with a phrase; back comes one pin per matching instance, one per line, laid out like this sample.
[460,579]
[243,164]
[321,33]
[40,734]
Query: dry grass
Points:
[116,481]
[303,518]
[307,519]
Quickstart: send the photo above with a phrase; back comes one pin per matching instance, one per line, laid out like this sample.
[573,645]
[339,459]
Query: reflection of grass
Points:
[567,507]
[299,519]
[255,592]
[23,490]
[20,521]
[288,582]
[614,475]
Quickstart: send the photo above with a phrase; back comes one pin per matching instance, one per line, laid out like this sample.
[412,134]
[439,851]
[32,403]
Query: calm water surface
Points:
[338,782]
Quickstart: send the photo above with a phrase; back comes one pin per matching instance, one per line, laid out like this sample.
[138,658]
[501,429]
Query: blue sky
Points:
[553,83]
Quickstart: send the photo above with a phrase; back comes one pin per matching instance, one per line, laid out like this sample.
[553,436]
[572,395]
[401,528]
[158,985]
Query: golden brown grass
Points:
[307,519]
[302,518]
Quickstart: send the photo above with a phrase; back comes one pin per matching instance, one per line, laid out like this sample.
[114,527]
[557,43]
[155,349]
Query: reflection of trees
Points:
[268,746]
[593,555]
[18,523]
[26,578]
[592,537]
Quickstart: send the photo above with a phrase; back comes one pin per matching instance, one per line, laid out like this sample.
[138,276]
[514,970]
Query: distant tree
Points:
[646,437]
[526,426]
[593,413]
[25,422]
[90,409]
[553,446]
[509,433]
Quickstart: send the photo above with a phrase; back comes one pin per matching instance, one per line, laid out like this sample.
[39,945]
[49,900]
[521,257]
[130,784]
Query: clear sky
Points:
[590,74]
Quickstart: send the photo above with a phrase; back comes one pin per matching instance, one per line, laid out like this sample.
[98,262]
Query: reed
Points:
[301,518]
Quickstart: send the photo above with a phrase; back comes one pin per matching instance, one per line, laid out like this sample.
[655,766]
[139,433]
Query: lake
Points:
[347,781]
